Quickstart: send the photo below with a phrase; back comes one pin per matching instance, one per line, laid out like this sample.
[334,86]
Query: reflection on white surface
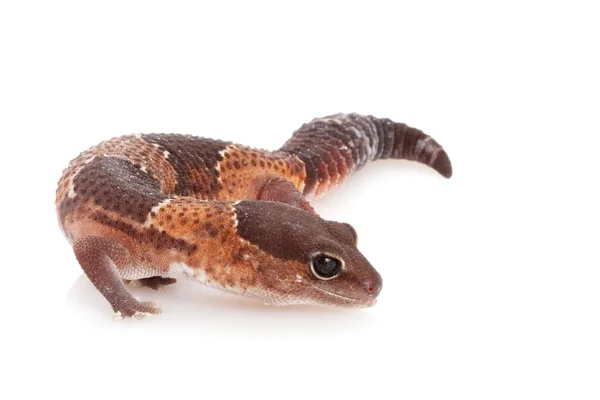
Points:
[196,306]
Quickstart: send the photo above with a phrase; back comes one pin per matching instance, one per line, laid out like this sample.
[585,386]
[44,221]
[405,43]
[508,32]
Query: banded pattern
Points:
[333,147]
[149,208]
[194,160]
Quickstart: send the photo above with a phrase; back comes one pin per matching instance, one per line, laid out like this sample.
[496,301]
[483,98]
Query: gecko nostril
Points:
[373,287]
[370,286]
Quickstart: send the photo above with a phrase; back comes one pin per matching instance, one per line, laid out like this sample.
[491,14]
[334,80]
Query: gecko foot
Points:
[136,309]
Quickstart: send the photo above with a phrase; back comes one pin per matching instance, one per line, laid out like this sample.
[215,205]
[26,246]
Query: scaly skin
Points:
[150,208]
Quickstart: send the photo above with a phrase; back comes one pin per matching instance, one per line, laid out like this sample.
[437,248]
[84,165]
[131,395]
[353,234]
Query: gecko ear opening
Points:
[343,232]
[352,232]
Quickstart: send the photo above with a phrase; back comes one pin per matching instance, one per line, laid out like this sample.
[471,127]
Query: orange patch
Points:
[244,171]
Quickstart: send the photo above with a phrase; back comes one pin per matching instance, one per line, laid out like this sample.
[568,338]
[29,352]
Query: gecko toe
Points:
[137,309]
[141,315]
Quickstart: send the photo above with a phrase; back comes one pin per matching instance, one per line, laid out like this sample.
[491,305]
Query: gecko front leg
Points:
[100,259]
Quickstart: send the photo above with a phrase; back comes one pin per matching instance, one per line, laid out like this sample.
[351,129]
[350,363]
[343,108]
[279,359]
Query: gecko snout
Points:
[373,286]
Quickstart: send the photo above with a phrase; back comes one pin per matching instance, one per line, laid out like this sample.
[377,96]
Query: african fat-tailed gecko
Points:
[147,209]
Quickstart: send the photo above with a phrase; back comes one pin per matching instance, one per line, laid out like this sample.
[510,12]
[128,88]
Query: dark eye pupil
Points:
[325,266]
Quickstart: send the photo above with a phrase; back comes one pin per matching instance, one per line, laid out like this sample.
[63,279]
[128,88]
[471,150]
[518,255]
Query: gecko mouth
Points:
[349,301]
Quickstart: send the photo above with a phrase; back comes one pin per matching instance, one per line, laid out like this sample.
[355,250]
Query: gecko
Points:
[148,209]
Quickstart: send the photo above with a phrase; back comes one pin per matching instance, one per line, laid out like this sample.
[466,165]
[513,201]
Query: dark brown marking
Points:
[284,231]
[149,235]
[194,160]
[115,185]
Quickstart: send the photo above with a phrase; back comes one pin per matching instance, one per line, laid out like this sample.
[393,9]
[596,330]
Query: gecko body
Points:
[148,209]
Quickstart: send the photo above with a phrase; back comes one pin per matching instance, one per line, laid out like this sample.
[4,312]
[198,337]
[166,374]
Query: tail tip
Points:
[443,165]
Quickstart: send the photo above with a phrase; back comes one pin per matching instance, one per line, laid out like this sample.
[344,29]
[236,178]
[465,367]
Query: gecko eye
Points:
[325,267]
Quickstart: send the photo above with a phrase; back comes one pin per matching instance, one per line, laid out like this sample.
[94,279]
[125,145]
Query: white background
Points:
[491,278]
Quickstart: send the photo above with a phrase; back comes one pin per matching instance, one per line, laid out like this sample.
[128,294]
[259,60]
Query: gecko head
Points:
[306,259]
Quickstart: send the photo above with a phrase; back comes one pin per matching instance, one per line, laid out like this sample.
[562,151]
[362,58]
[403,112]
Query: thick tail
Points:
[335,146]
